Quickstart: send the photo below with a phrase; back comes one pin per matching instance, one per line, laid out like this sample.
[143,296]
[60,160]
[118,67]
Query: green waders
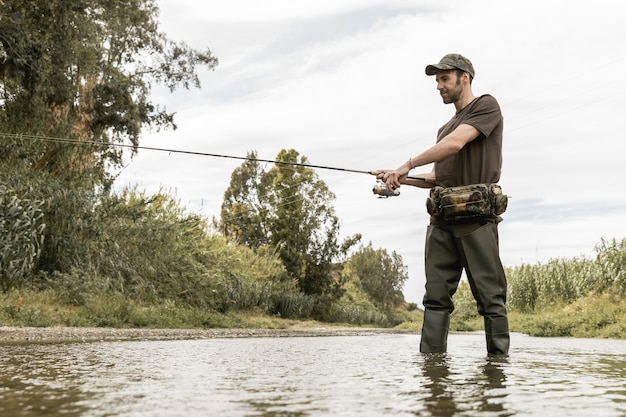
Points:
[449,250]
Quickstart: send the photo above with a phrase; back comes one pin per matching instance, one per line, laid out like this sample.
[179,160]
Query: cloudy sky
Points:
[343,83]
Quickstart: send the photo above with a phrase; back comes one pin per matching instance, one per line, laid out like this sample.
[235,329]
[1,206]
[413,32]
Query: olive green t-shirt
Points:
[480,161]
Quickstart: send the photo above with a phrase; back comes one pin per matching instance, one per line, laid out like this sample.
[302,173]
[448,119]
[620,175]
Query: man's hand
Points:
[391,177]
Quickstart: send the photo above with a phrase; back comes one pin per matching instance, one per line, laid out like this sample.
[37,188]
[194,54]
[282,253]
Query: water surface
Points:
[314,376]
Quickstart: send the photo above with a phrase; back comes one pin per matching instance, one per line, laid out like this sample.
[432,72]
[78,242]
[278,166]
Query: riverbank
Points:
[39,317]
[92,334]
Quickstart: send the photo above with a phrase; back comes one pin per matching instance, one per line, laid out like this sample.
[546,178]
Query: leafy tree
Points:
[81,70]
[381,275]
[288,208]
[243,216]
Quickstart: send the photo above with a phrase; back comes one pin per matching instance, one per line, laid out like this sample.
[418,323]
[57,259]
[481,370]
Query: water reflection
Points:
[452,392]
[440,400]
[318,376]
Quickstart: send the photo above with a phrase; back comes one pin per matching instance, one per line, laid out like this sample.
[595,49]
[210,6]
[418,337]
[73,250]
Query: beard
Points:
[454,94]
[451,96]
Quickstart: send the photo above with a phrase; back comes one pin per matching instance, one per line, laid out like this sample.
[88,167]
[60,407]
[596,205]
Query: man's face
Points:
[449,86]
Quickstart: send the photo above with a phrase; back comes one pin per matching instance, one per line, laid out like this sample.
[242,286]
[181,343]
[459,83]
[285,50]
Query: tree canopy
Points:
[84,69]
[81,70]
[380,274]
[287,208]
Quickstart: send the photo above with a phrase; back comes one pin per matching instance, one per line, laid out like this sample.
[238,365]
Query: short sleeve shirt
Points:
[480,161]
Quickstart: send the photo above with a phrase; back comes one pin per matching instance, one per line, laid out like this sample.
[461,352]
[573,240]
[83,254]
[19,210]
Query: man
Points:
[468,152]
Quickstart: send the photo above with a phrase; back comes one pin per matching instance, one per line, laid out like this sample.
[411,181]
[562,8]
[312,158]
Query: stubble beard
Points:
[451,96]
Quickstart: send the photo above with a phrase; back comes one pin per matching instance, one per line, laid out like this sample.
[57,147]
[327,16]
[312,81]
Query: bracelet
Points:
[411,166]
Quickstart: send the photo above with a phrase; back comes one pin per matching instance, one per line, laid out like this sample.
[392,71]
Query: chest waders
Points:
[449,250]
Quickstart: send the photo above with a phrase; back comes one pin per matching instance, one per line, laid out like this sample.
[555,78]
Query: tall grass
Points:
[563,281]
[581,297]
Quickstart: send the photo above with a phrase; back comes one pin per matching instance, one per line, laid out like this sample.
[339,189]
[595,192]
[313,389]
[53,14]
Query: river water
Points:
[378,375]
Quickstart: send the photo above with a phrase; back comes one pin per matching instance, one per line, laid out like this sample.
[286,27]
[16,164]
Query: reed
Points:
[579,297]
[563,281]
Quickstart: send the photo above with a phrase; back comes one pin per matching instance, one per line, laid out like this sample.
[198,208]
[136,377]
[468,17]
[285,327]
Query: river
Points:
[377,375]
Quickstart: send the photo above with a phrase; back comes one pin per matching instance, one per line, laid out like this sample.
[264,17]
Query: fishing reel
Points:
[380,189]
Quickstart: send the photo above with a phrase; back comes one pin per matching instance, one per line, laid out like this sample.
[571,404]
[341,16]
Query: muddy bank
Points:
[82,334]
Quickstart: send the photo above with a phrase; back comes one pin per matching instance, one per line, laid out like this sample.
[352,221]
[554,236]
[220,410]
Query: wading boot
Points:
[497,334]
[435,331]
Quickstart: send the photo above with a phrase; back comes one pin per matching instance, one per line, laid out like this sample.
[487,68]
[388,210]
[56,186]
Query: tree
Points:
[81,70]
[242,213]
[288,208]
[84,69]
[381,275]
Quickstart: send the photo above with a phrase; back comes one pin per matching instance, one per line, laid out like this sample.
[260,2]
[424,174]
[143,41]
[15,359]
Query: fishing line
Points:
[180,151]
[293,199]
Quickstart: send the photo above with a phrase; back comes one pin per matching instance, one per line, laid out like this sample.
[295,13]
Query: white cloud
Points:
[343,83]
[235,11]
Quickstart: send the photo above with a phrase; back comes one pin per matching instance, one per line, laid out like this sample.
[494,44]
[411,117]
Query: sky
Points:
[342,82]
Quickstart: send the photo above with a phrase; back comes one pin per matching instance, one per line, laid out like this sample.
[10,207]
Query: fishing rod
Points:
[379,189]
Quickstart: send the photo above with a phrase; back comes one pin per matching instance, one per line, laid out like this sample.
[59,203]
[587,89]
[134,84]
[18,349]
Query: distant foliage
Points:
[145,248]
[287,207]
[562,281]
[380,274]
[465,309]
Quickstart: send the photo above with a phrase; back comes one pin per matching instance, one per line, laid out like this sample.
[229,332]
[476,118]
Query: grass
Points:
[46,309]
[601,316]
[43,309]
[598,316]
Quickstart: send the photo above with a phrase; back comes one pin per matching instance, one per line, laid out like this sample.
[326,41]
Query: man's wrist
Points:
[406,167]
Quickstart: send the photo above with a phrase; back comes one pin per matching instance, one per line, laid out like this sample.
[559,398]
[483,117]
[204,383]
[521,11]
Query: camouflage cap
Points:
[452,61]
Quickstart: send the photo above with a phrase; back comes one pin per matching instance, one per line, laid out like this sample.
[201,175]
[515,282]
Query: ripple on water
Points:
[314,376]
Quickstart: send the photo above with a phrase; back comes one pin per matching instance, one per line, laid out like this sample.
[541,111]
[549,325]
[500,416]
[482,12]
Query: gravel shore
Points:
[90,334]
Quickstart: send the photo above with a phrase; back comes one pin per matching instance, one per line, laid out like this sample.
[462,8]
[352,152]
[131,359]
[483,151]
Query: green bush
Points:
[465,316]
[292,304]
[21,237]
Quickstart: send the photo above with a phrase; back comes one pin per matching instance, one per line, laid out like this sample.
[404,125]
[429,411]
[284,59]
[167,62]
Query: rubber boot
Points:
[435,331]
[497,334]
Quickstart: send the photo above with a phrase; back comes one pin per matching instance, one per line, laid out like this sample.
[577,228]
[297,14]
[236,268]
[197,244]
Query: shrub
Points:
[21,237]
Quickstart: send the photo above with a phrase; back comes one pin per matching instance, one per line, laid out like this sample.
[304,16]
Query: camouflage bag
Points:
[466,203]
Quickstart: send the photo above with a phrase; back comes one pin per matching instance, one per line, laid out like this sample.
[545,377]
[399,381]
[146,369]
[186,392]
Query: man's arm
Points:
[449,145]
[426,180]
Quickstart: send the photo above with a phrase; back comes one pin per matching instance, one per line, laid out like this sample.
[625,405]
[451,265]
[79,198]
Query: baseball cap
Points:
[452,61]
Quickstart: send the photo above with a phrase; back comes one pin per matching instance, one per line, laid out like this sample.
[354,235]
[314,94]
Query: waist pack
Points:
[466,203]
